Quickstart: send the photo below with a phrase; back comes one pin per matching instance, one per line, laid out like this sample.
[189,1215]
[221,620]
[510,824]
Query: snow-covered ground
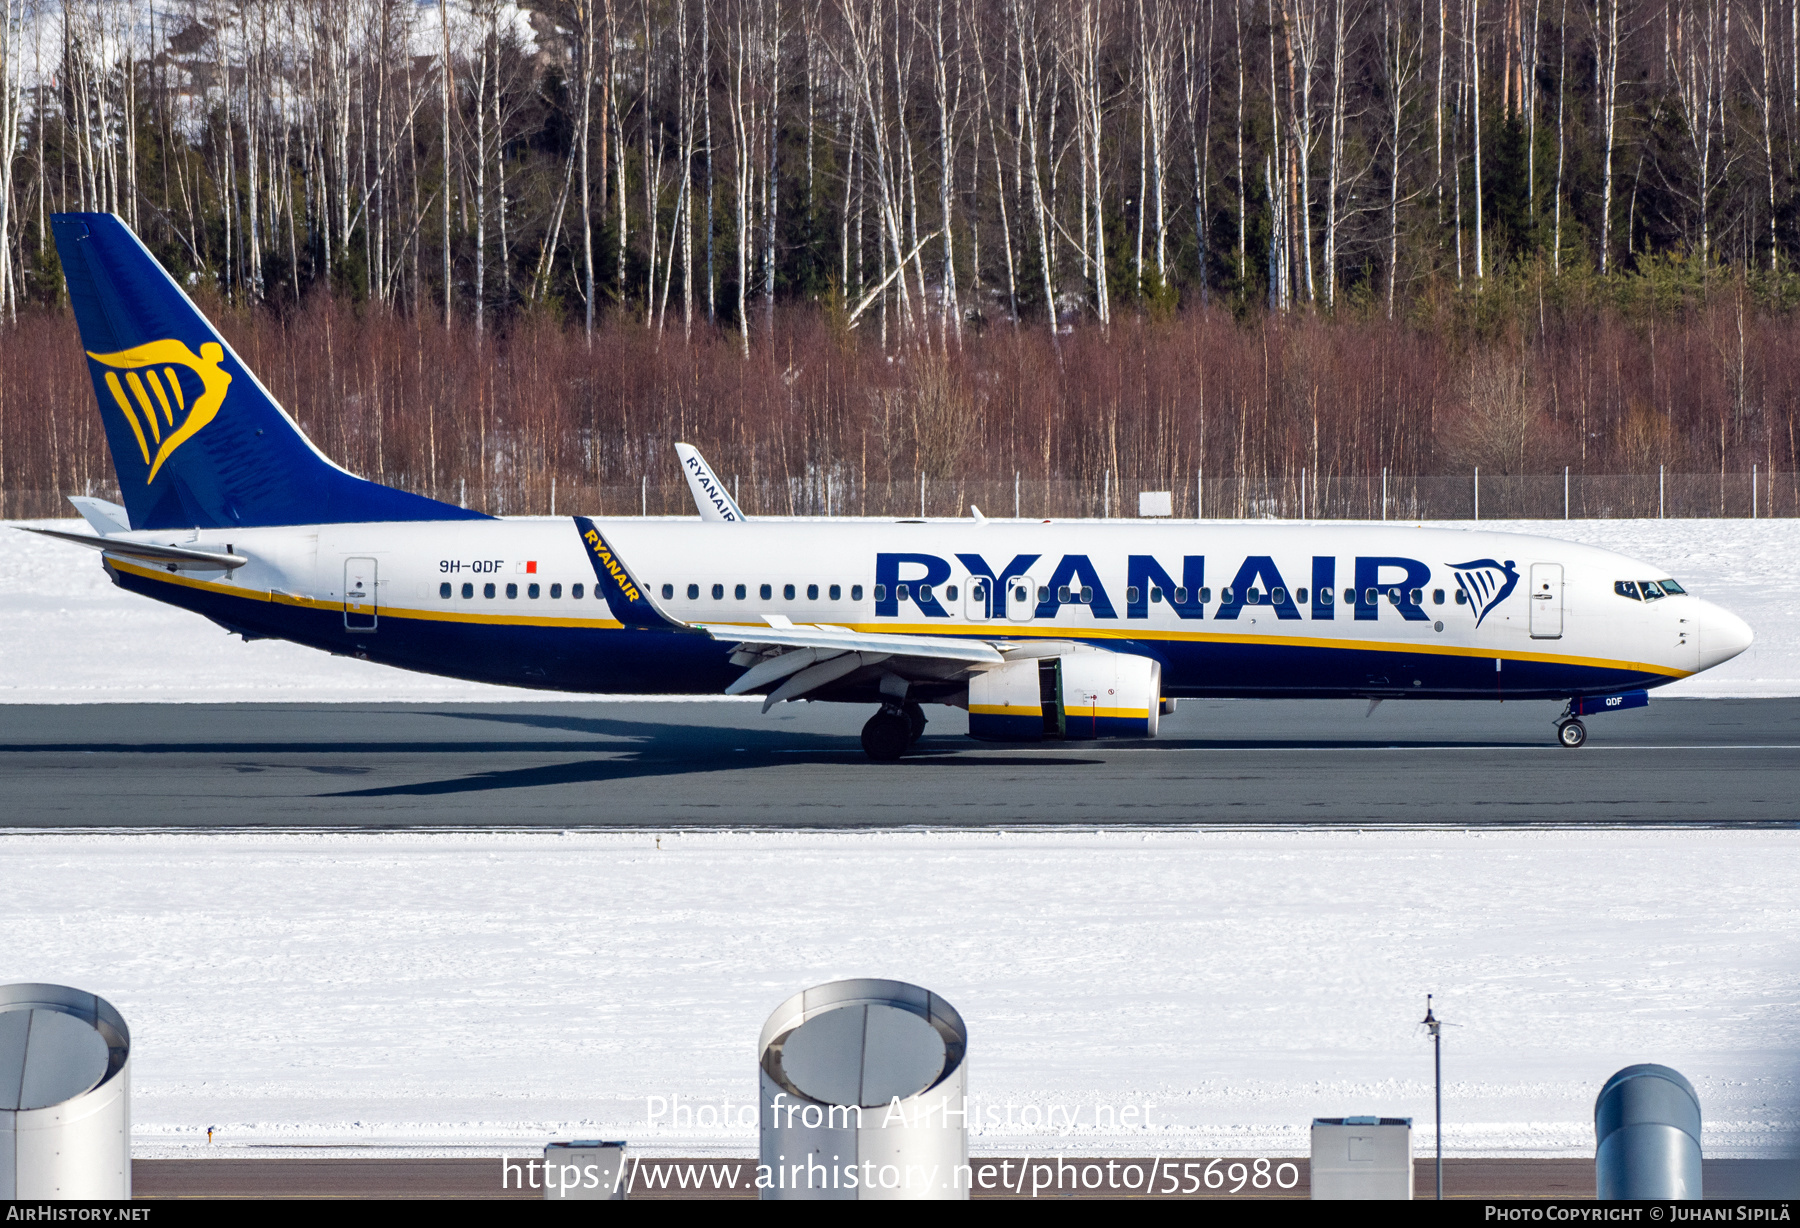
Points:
[495,990]
[68,636]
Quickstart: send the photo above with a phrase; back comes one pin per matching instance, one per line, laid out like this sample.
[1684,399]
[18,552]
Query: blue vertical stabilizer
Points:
[196,439]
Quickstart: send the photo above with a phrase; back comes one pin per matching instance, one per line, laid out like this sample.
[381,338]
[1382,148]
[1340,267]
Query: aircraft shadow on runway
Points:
[658,749]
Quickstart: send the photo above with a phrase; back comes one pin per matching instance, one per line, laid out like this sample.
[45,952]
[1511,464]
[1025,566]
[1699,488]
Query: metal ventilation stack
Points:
[1647,1136]
[65,1095]
[864,1092]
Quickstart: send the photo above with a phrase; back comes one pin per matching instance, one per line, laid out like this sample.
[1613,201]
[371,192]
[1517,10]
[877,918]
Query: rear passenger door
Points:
[1546,601]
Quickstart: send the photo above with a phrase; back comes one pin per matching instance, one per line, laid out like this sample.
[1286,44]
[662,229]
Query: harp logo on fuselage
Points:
[159,409]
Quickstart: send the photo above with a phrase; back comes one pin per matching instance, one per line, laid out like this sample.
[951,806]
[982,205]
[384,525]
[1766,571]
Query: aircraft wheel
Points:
[886,736]
[915,721]
[1571,734]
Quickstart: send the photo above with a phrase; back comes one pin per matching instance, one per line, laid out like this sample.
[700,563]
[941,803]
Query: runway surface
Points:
[682,765]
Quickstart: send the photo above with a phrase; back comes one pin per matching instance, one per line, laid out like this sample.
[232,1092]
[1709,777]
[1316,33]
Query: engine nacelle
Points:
[1078,696]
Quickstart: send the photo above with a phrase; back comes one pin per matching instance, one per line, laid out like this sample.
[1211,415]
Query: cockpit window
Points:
[1626,588]
[1651,591]
[1672,589]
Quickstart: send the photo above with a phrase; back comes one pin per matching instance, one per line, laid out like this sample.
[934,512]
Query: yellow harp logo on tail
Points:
[157,402]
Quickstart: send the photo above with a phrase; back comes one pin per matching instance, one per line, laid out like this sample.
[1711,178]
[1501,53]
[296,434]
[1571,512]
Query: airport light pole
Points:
[1436,1030]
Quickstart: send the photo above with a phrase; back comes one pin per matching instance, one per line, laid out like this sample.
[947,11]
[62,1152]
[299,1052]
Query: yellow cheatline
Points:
[112,383]
[1077,712]
[295,599]
[1015,631]
[1004,710]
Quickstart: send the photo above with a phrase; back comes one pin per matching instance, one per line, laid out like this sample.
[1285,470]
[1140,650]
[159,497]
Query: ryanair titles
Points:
[1011,591]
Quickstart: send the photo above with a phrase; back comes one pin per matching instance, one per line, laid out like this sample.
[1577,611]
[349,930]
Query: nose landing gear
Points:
[1571,733]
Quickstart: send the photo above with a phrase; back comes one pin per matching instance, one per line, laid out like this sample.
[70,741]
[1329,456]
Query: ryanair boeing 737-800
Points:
[1039,630]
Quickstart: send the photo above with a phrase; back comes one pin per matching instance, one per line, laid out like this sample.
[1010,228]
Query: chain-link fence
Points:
[1294,496]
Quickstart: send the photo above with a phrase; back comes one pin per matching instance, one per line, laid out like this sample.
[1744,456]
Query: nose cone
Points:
[1722,635]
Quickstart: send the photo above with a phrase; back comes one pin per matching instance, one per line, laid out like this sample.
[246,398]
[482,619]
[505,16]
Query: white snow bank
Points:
[71,637]
[406,991]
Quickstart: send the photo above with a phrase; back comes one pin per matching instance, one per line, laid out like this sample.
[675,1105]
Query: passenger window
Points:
[531,591]
[1371,596]
[668,590]
[1087,595]
[444,590]
[512,592]
[1226,595]
[1131,594]
[487,590]
[468,591]
[787,592]
[1300,596]
[693,592]
[1437,596]
[812,592]
[1462,597]
[924,592]
[1062,594]
[1021,593]
[1043,593]
[1417,597]
[1650,590]
[718,592]
[767,591]
[1350,596]
[977,591]
[835,592]
[1325,596]
[740,592]
[575,591]
[902,592]
[1393,596]
[856,592]
[1253,597]
[1155,595]
[555,591]
[1626,588]
[1181,596]
[1277,596]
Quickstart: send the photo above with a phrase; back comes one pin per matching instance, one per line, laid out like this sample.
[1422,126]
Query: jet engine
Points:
[1077,696]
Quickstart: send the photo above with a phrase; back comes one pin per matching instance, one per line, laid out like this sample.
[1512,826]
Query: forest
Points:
[1285,257]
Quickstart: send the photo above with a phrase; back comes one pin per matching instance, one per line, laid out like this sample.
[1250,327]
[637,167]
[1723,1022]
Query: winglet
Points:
[710,495]
[630,601]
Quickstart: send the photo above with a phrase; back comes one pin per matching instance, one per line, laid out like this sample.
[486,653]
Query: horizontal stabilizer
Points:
[105,518]
[842,639]
[178,557]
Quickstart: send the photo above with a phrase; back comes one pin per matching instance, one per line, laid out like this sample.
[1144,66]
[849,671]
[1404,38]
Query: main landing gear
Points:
[891,731]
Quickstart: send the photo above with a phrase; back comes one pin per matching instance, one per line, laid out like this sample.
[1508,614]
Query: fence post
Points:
[1199,495]
[921,496]
[1478,492]
[1753,492]
[553,494]
[1015,494]
[1659,492]
[1384,492]
[1565,492]
[644,497]
[1303,492]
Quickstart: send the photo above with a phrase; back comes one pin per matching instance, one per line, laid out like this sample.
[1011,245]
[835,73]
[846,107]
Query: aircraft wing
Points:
[842,639]
[805,658]
[172,556]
